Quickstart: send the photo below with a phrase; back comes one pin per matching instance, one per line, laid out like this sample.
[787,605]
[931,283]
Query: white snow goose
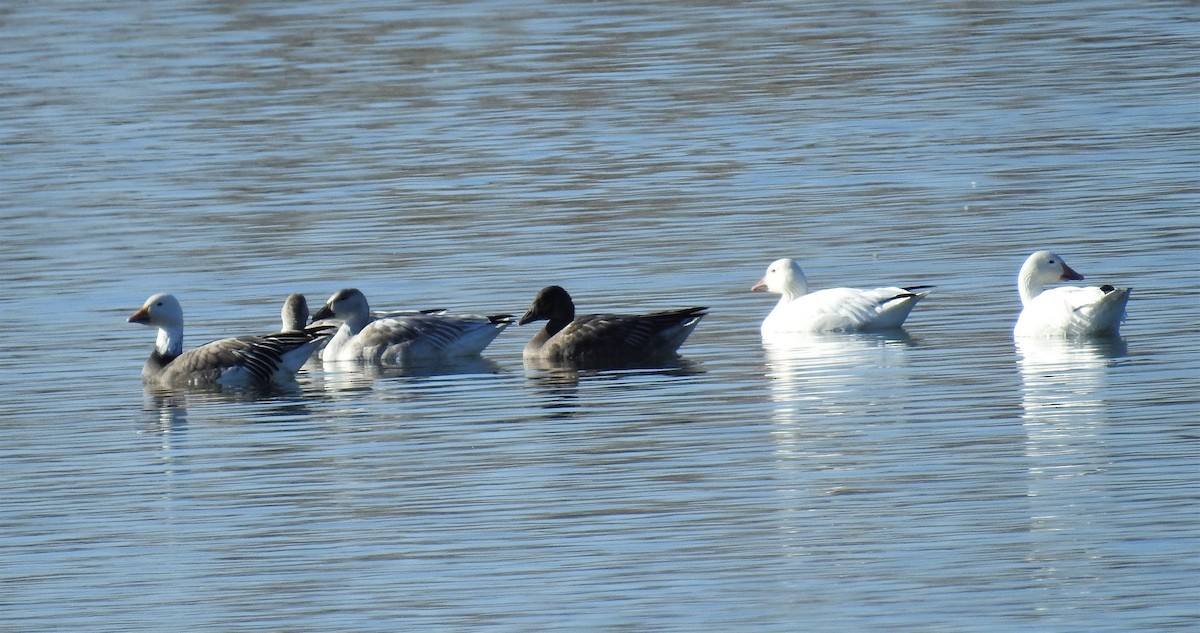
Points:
[404,337]
[244,362]
[603,338]
[832,309]
[1067,311]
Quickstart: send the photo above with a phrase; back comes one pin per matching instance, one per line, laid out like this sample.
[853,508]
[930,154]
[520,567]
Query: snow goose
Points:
[403,337]
[295,314]
[245,361]
[832,309]
[603,338]
[1069,310]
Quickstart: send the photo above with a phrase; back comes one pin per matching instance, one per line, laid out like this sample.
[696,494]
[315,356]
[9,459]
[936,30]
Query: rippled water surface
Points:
[645,156]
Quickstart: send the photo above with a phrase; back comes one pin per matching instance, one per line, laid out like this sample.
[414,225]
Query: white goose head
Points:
[161,310]
[783,277]
[1041,268]
[164,312]
[348,304]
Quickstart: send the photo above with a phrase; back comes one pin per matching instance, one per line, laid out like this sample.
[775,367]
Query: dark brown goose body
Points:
[604,338]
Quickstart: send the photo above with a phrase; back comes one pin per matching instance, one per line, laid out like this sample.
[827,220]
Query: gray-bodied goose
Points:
[404,337]
[603,338]
[244,361]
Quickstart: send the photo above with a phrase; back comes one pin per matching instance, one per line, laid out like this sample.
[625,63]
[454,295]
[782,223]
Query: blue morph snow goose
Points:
[603,338]
[832,309]
[1069,310]
[404,337]
[244,361]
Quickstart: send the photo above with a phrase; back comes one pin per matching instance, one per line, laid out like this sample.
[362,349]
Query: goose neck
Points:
[796,287]
[170,341]
[1028,284]
[555,325]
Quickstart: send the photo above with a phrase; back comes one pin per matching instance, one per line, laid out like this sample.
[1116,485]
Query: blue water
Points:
[645,157]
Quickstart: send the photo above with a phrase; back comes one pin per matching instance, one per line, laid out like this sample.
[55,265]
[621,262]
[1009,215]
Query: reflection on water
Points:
[831,374]
[1064,380]
[673,365]
[1065,401]
[170,406]
[352,376]
[825,390]
[557,391]
[558,382]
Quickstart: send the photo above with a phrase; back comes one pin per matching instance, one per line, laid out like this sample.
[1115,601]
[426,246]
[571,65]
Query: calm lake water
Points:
[645,156]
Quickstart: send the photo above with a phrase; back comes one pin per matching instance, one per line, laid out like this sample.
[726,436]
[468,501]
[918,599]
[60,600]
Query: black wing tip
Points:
[501,318]
[300,337]
[684,314]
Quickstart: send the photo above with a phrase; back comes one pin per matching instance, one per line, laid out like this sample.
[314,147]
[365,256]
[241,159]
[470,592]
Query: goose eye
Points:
[159,304]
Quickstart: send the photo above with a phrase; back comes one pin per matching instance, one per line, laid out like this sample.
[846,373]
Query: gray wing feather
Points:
[628,336]
[427,336]
[259,356]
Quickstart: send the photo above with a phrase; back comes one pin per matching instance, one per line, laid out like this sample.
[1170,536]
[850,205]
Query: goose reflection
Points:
[171,404]
[558,381]
[824,389]
[830,375]
[172,407]
[169,407]
[354,376]
[557,389]
[167,413]
[1064,396]
[677,365]
[1064,400]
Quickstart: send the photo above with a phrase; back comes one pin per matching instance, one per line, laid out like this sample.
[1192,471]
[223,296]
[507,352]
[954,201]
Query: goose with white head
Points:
[404,337]
[1066,311]
[832,309]
[241,362]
